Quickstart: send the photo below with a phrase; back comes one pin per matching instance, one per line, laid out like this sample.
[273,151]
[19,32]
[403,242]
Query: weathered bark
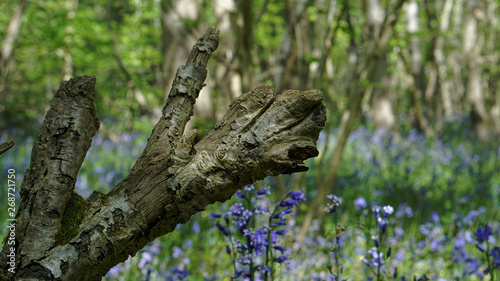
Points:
[262,134]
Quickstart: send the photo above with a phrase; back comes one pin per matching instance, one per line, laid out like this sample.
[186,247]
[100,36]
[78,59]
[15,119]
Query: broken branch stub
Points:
[178,109]
[262,134]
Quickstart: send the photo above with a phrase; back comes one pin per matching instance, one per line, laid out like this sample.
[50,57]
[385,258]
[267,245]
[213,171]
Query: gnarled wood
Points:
[262,134]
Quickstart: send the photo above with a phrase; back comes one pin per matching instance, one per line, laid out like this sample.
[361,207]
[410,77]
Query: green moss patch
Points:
[73,216]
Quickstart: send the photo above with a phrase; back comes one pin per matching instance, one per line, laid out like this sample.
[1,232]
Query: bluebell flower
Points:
[146,258]
[181,273]
[495,253]
[279,232]
[434,217]
[274,237]
[280,259]
[214,216]
[115,270]
[261,210]
[280,248]
[278,223]
[236,209]
[242,218]
[472,215]
[263,192]
[289,203]
[240,194]
[360,203]
[222,228]
[155,250]
[376,258]
[334,203]
[195,227]
[381,215]
[298,195]
[388,210]
[237,274]
[404,211]
[176,252]
[472,266]
[423,278]
[249,187]
[263,269]
[482,234]
[188,243]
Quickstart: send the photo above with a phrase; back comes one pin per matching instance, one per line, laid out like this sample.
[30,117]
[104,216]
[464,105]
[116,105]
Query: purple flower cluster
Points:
[484,237]
[381,215]
[255,249]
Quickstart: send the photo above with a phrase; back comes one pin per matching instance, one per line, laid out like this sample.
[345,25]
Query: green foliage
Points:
[451,177]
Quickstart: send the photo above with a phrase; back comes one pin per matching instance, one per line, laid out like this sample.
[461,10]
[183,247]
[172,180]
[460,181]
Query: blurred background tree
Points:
[440,63]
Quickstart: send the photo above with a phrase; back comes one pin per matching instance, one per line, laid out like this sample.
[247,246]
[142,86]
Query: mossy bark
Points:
[262,134]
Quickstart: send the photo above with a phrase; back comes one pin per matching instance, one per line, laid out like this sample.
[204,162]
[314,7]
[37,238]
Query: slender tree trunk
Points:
[440,62]
[72,7]
[288,49]
[473,43]
[416,79]
[135,91]
[493,44]
[381,107]
[365,71]
[11,35]
[245,43]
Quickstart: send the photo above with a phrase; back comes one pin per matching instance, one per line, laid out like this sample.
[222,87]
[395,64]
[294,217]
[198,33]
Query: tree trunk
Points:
[364,72]
[11,35]
[383,115]
[473,43]
[414,67]
[440,63]
[245,42]
[61,236]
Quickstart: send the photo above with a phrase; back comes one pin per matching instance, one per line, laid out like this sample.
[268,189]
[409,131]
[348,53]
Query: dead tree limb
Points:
[61,236]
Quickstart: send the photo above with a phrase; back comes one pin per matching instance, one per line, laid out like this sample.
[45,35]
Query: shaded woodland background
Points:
[393,72]
[441,63]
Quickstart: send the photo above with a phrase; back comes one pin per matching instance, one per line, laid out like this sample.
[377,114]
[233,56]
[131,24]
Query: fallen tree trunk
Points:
[61,236]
